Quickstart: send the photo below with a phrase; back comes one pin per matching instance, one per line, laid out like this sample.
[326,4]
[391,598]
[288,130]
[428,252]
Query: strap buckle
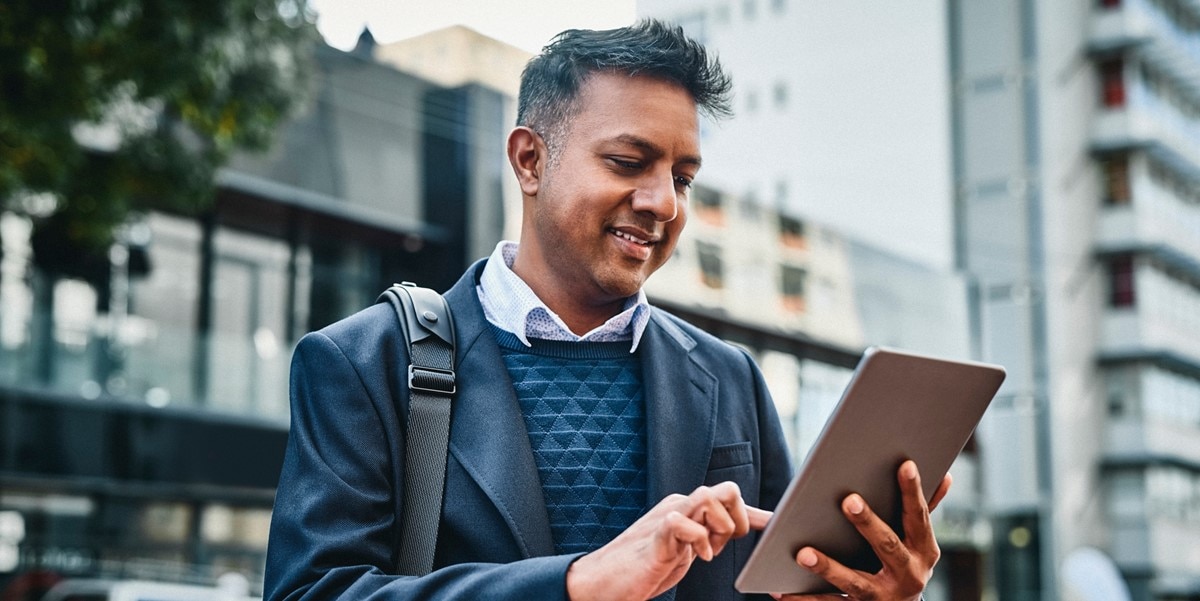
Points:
[431,379]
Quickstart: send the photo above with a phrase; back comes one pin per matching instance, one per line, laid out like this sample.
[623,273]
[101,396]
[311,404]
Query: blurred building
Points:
[143,417]
[1077,167]
[806,300]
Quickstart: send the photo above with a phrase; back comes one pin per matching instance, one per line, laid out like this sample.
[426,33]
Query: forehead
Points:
[615,105]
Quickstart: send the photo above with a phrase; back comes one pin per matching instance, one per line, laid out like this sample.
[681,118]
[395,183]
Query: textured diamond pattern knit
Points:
[585,412]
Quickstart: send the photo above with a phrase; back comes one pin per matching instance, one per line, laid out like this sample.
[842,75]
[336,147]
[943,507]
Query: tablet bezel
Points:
[908,406]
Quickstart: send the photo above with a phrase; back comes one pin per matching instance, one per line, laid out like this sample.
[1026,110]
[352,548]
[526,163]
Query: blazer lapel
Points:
[680,410]
[488,436]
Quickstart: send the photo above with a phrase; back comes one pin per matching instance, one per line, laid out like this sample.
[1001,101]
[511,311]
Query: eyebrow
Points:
[652,148]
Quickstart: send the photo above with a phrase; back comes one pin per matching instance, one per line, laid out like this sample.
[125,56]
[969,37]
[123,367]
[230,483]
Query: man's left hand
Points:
[907,564]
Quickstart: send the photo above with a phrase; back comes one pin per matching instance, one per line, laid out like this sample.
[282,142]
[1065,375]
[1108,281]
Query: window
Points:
[1112,82]
[791,232]
[708,206]
[711,269]
[779,6]
[749,9]
[1116,181]
[1120,277]
[791,286]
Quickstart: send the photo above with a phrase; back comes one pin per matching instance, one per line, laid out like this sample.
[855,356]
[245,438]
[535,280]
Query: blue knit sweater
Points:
[585,412]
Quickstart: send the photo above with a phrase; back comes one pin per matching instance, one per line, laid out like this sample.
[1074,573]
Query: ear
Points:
[528,155]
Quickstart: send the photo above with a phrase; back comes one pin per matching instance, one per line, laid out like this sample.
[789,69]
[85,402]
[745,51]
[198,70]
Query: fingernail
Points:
[854,504]
[807,557]
[910,470]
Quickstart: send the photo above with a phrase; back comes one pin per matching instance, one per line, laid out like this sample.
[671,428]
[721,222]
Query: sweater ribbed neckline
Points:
[563,349]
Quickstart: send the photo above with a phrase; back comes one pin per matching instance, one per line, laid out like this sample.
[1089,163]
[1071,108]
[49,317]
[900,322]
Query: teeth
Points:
[631,238]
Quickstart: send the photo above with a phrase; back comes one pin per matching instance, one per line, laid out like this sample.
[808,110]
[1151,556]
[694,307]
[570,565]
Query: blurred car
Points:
[138,590]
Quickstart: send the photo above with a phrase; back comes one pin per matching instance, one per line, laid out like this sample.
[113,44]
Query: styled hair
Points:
[551,81]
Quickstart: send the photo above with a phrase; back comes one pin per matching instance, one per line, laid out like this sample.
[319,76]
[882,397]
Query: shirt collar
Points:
[511,305]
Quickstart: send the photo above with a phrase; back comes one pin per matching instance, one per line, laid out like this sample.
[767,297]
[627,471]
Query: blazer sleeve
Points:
[333,532]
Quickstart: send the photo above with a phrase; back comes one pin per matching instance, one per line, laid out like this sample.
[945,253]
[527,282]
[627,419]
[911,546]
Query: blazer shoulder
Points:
[362,334]
[695,339]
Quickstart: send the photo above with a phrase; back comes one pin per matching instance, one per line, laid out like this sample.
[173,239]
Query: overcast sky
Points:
[526,24]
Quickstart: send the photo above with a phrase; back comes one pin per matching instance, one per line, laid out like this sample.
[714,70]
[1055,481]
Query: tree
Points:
[113,106]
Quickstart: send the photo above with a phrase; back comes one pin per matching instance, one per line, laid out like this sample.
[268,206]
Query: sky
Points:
[876,154]
[526,24]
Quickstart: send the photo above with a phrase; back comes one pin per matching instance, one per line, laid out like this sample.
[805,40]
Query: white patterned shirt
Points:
[511,305]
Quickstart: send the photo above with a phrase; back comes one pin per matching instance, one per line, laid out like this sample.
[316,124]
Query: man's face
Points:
[609,209]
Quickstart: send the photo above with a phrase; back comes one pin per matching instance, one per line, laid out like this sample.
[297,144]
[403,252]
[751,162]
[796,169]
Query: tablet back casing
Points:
[897,406]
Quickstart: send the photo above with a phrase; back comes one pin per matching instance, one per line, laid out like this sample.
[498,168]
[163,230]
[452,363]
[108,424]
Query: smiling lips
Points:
[634,246]
[630,237]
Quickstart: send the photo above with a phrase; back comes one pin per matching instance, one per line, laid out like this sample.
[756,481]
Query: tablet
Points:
[898,406]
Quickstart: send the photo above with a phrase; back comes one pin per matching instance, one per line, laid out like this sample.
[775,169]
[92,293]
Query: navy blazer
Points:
[334,531]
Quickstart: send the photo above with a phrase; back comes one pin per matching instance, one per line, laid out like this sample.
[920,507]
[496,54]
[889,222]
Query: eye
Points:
[683,182]
[626,164]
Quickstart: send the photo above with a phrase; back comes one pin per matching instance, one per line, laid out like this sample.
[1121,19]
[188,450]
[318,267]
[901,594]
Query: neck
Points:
[580,313]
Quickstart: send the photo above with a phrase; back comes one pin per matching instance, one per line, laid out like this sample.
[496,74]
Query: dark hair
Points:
[551,80]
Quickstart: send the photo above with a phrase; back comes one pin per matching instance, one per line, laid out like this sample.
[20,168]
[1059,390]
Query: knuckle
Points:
[891,544]
[730,489]
[859,590]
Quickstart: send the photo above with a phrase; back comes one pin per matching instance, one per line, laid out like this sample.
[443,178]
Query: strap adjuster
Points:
[431,379]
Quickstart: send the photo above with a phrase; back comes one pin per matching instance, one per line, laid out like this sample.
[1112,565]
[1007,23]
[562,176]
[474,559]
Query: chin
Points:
[622,287]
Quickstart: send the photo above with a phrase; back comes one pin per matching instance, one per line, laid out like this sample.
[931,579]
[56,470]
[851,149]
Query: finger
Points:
[854,583]
[917,528]
[709,510]
[731,497]
[682,529]
[758,517]
[886,543]
[940,493]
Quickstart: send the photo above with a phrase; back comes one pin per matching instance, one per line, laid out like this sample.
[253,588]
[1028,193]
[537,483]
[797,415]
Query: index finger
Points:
[758,517]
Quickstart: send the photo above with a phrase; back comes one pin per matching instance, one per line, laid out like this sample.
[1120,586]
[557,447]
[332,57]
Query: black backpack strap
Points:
[429,331]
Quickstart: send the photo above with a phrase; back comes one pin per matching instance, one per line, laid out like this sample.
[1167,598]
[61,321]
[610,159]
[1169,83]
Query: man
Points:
[599,446]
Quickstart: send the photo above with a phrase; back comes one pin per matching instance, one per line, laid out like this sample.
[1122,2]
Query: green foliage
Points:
[112,106]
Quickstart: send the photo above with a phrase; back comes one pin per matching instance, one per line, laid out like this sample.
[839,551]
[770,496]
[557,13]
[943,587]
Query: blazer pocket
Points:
[730,455]
[731,462]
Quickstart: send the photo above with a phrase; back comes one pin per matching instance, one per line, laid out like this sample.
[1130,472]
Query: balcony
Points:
[1153,220]
[1138,438]
[1172,548]
[1158,39]
[1145,330]
[1150,123]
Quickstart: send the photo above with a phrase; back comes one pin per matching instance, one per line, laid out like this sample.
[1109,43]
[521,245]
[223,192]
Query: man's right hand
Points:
[655,553]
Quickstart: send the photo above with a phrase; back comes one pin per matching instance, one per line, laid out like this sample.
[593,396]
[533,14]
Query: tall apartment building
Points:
[1077,171]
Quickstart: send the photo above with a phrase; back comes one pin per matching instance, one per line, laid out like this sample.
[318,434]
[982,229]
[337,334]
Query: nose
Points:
[656,195]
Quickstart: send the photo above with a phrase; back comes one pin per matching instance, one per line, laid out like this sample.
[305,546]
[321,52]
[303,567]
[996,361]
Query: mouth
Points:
[635,245]
[631,237]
